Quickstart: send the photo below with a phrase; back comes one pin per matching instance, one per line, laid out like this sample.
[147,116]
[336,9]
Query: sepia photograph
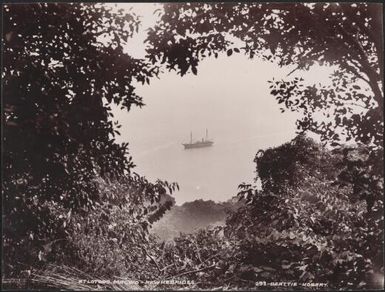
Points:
[195,146]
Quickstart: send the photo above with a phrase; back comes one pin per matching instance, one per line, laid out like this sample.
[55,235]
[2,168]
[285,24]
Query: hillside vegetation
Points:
[304,226]
[192,216]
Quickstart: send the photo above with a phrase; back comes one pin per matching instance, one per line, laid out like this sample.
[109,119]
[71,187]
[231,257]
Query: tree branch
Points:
[152,259]
[366,67]
[198,252]
[164,268]
[211,257]
[355,71]
[376,37]
[292,71]
[192,272]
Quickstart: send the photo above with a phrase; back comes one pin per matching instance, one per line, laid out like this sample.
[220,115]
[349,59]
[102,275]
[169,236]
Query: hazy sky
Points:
[230,97]
[236,85]
[230,91]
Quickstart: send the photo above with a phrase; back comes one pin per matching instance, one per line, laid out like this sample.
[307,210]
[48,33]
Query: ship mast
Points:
[191,137]
[207,135]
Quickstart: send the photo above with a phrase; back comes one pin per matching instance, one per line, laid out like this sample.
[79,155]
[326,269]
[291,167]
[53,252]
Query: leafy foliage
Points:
[71,196]
[363,169]
[63,67]
[313,229]
[315,225]
[308,230]
[298,34]
[287,165]
[113,239]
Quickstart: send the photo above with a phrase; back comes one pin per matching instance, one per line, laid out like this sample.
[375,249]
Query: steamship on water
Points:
[198,144]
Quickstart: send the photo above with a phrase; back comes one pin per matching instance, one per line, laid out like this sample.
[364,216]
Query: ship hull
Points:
[198,145]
